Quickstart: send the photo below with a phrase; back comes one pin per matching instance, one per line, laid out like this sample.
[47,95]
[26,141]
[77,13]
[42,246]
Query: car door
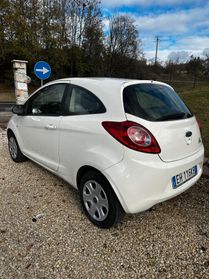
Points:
[39,128]
[83,140]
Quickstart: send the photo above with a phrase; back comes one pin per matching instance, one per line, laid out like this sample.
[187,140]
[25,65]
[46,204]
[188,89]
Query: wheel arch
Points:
[83,170]
[19,157]
[10,132]
[12,129]
[87,168]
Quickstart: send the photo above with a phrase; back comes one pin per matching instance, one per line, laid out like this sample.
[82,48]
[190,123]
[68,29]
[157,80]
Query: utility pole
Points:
[156,51]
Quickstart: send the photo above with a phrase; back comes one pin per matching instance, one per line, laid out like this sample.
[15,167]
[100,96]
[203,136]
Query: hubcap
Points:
[95,200]
[13,147]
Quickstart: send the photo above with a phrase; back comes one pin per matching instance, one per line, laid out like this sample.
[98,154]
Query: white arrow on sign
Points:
[43,70]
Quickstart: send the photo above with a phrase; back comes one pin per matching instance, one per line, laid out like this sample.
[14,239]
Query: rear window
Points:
[154,102]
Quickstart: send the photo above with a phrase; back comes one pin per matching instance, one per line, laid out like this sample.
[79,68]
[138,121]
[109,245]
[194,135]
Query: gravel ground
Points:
[169,241]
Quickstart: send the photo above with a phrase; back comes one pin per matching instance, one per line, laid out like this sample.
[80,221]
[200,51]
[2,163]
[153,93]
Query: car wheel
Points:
[99,201]
[14,149]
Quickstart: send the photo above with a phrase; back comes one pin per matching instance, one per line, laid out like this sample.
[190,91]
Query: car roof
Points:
[103,81]
[104,87]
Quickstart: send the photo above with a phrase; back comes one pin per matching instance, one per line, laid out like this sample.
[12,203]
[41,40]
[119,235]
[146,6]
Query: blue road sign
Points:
[42,70]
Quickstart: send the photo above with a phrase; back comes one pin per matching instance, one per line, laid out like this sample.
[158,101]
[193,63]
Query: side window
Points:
[48,101]
[84,102]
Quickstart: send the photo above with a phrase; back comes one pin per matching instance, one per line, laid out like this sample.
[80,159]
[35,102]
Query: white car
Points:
[126,145]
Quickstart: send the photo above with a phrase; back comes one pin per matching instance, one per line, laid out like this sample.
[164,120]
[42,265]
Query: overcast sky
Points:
[182,26]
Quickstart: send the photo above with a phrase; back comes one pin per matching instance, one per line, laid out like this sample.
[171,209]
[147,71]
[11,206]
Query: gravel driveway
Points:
[169,241]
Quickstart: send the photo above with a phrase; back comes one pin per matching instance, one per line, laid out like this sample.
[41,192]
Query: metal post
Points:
[20,80]
[156,51]
[42,82]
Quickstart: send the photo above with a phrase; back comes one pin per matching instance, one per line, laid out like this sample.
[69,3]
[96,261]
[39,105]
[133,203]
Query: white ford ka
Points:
[126,145]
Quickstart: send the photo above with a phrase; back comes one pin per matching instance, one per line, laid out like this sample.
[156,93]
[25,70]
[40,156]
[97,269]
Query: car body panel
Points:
[171,137]
[146,181]
[84,142]
[41,137]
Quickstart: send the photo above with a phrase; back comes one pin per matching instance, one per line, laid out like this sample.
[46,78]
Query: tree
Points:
[76,12]
[123,37]
[194,67]
[171,69]
[206,66]
[4,9]
[123,44]
[69,35]
[92,44]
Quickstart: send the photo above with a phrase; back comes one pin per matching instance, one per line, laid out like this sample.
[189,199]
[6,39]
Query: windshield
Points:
[154,102]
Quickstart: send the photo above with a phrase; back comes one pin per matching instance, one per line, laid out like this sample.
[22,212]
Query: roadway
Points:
[6,106]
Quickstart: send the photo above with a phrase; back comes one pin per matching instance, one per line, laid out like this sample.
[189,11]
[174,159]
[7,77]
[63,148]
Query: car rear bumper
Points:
[141,181]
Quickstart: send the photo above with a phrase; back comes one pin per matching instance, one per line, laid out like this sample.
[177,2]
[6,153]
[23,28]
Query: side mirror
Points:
[18,109]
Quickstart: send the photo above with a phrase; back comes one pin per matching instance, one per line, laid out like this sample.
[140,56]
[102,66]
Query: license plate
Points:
[183,177]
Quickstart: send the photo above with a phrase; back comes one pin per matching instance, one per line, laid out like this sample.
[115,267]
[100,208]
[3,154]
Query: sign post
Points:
[42,70]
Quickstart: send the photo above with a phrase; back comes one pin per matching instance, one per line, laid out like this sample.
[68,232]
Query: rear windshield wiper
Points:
[174,116]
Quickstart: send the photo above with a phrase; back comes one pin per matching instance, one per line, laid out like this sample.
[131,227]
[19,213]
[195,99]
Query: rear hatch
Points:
[158,108]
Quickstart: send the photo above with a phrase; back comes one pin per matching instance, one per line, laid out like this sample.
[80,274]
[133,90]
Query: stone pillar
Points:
[20,80]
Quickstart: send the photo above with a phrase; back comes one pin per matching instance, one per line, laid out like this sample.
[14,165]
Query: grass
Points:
[196,98]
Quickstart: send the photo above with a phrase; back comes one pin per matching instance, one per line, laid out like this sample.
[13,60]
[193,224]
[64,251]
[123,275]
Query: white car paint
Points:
[171,137]
[41,139]
[64,144]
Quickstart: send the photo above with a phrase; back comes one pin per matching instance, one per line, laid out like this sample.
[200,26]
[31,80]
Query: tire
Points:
[14,149]
[99,201]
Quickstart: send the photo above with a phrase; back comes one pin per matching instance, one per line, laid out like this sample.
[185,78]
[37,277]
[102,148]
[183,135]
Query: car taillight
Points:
[132,135]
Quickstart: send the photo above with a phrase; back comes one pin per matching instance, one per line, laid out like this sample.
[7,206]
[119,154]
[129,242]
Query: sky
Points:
[182,26]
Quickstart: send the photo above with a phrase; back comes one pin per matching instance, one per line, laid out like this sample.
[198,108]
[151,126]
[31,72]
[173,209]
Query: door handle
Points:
[50,127]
